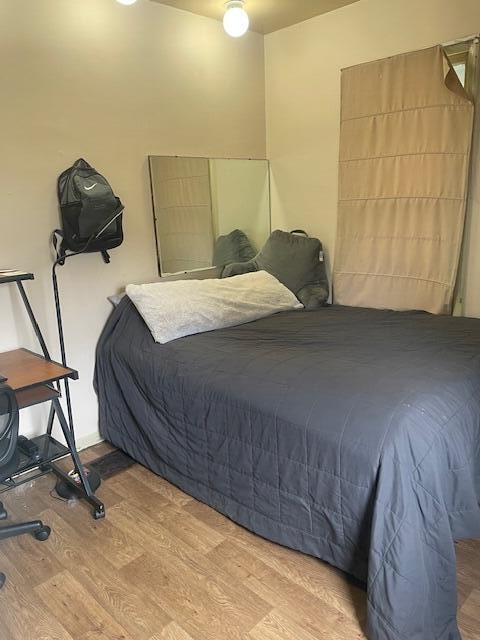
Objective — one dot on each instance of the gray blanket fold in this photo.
(349, 434)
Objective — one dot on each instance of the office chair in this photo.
(8, 466)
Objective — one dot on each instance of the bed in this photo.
(349, 434)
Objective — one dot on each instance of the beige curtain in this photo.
(406, 126)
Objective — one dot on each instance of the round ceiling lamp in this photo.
(235, 20)
(127, 2)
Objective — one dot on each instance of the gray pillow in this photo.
(234, 247)
(295, 260)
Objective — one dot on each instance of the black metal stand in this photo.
(61, 337)
(82, 488)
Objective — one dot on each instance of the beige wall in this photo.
(113, 84)
(303, 66)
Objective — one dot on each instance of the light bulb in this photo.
(235, 20)
(126, 2)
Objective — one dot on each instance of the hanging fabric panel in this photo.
(406, 126)
(183, 211)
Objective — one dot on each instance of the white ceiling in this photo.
(265, 15)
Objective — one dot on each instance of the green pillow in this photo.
(296, 261)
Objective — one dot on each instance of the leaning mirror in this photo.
(208, 211)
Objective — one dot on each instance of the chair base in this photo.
(39, 531)
(36, 528)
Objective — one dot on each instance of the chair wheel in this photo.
(3, 514)
(3, 577)
(98, 514)
(42, 534)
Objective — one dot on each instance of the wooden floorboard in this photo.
(163, 566)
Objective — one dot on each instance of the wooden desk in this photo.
(14, 276)
(36, 379)
(31, 375)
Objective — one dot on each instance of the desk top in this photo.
(25, 369)
(14, 276)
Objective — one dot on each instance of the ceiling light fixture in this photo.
(235, 20)
(127, 2)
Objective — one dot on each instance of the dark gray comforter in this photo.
(350, 434)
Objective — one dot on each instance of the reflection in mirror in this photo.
(208, 211)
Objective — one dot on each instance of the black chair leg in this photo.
(36, 527)
(3, 515)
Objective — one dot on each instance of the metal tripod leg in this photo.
(33, 320)
(84, 489)
(51, 418)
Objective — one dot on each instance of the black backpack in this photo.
(91, 213)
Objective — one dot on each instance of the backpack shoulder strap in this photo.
(58, 244)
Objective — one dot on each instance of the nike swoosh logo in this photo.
(90, 188)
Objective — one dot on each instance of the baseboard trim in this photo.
(88, 440)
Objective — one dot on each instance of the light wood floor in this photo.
(162, 566)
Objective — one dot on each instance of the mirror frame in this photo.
(154, 218)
